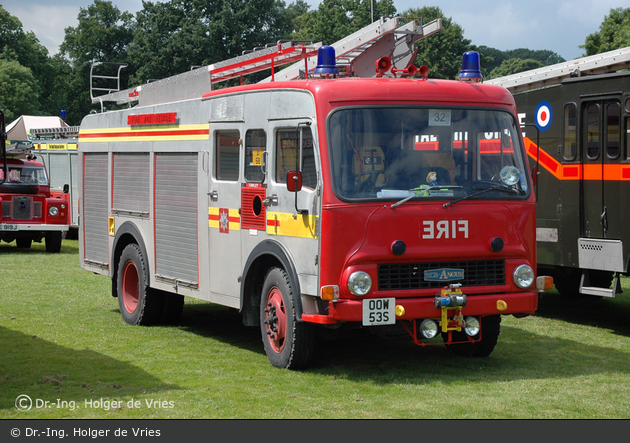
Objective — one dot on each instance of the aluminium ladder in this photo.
(361, 49)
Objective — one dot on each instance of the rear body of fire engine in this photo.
(395, 204)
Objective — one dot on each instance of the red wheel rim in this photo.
(130, 287)
(275, 308)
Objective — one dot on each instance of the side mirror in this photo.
(66, 188)
(294, 181)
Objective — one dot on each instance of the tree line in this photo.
(167, 38)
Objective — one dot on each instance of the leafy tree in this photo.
(614, 33)
(25, 49)
(336, 19)
(514, 66)
(19, 90)
(104, 33)
(441, 52)
(172, 37)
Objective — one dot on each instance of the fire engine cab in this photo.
(29, 211)
(344, 191)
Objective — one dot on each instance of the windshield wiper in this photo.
(502, 188)
(417, 191)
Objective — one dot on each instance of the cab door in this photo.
(600, 154)
(224, 222)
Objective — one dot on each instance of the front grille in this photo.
(397, 276)
(22, 208)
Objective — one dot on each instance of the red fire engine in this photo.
(326, 197)
(29, 211)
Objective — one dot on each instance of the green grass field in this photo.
(62, 341)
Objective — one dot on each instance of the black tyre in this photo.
(601, 279)
(173, 307)
(567, 281)
(288, 343)
(490, 330)
(139, 304)
(53, 241)
(23, 243)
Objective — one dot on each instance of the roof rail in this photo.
(605, 62)
(55, 133)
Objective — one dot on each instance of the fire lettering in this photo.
(442, 229)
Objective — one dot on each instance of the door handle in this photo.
(604, 219)
(214, 195)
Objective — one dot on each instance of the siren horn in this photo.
(382, 66)
(412, 70)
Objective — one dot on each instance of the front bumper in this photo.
(17, 227)
(421, 308)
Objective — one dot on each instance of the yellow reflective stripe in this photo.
(283, 223)
(146, 133)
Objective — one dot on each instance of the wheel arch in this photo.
(126, 234)
(263, 257)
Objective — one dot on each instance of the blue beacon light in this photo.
(471, 67)
(326, 61)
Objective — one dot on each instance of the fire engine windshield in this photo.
(426, 153)
(24, 174)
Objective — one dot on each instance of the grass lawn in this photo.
(62, 341)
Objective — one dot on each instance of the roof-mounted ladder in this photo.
(605, 62)
(196, 82)
(55, 133)
(361, 49)
(385, 37)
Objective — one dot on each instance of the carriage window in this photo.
(570, 131)
(591, 131)
(227, 155)
(286, 150)
(255, 142)
(613, 135)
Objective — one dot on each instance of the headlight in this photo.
(523, 276)
(53, 210)
(359, 283)
(472, 326)
(428, 328)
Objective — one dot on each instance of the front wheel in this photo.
(53, 241)
(139, 304)
(288, 343)
(490, 330)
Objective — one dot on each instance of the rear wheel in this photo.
(490, 330)
(173, 307)
(287, 342)
(567, 281)
(139, 304)
(53, 241)
(23, 243)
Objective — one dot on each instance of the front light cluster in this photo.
(523, 276)
(360, 283)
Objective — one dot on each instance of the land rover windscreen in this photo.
(426, 153)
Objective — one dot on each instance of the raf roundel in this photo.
(543, 115)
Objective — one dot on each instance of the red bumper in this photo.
(419, 308)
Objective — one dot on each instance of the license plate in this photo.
(379, 311)
(6, 227)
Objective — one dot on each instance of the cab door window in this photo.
(591, 131)
(612, 130)
(227, 155)
(288, 156)
(255, 155)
